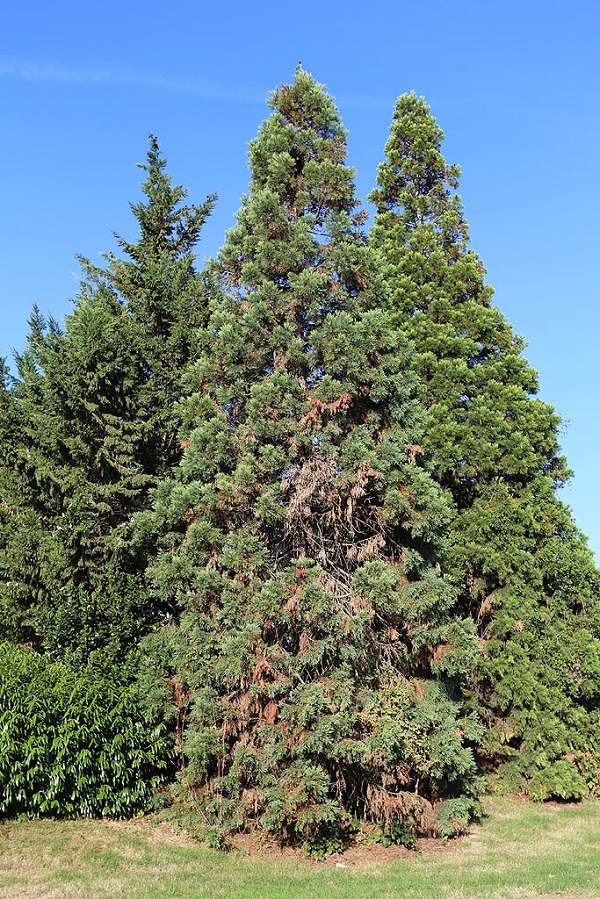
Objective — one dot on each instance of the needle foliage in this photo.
(300, 509)
(301, 535)
(90, 424)
(525, 575)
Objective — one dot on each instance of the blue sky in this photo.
(515, 87)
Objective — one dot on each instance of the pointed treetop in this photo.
(306, 103)
(299, 154)
(415, 180)
(165, 224)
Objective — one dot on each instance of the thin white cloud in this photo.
(23, 69)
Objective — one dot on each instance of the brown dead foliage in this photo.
(181, 697)
(320, 408)
(484, 609)
(382, 805)
(263, 673)
(440, 651)
(414, 450)
(334, 519)
(270, 712)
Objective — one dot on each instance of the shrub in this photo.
(72, 743)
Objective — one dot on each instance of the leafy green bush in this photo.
(72, 743)
(328, 838)
(395, 833)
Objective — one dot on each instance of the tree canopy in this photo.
(92, 424)
(294, 516)
(494, 447)
(300, 533)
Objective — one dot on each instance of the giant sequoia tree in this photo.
(318, 479)
(93, 423)
(301, 533)
(525, 574)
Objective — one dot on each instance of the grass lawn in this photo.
(521, 850)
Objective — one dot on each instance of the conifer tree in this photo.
(300, 535)
(80, 477)
(19, 534)
(96, 405)
(525, 574)
(157, 282)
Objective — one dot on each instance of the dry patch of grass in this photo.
(521, 851)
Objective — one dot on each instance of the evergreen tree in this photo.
(96, 406)
(19, 535)
(300, 535)
(525, 574)
(80, 478)
(166, 298)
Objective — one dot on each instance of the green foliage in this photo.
(300, 535)
(455, 815)
(165, 298)
(73, 743)
(483, 422)
(524, 573)
(329, 838)
(90, 422)
(317, 477)
(396, 833)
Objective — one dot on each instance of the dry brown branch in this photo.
(263, 673)
(333, 518)
(414, 450)
(385, 806)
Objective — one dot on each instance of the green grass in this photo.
(521, 850)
